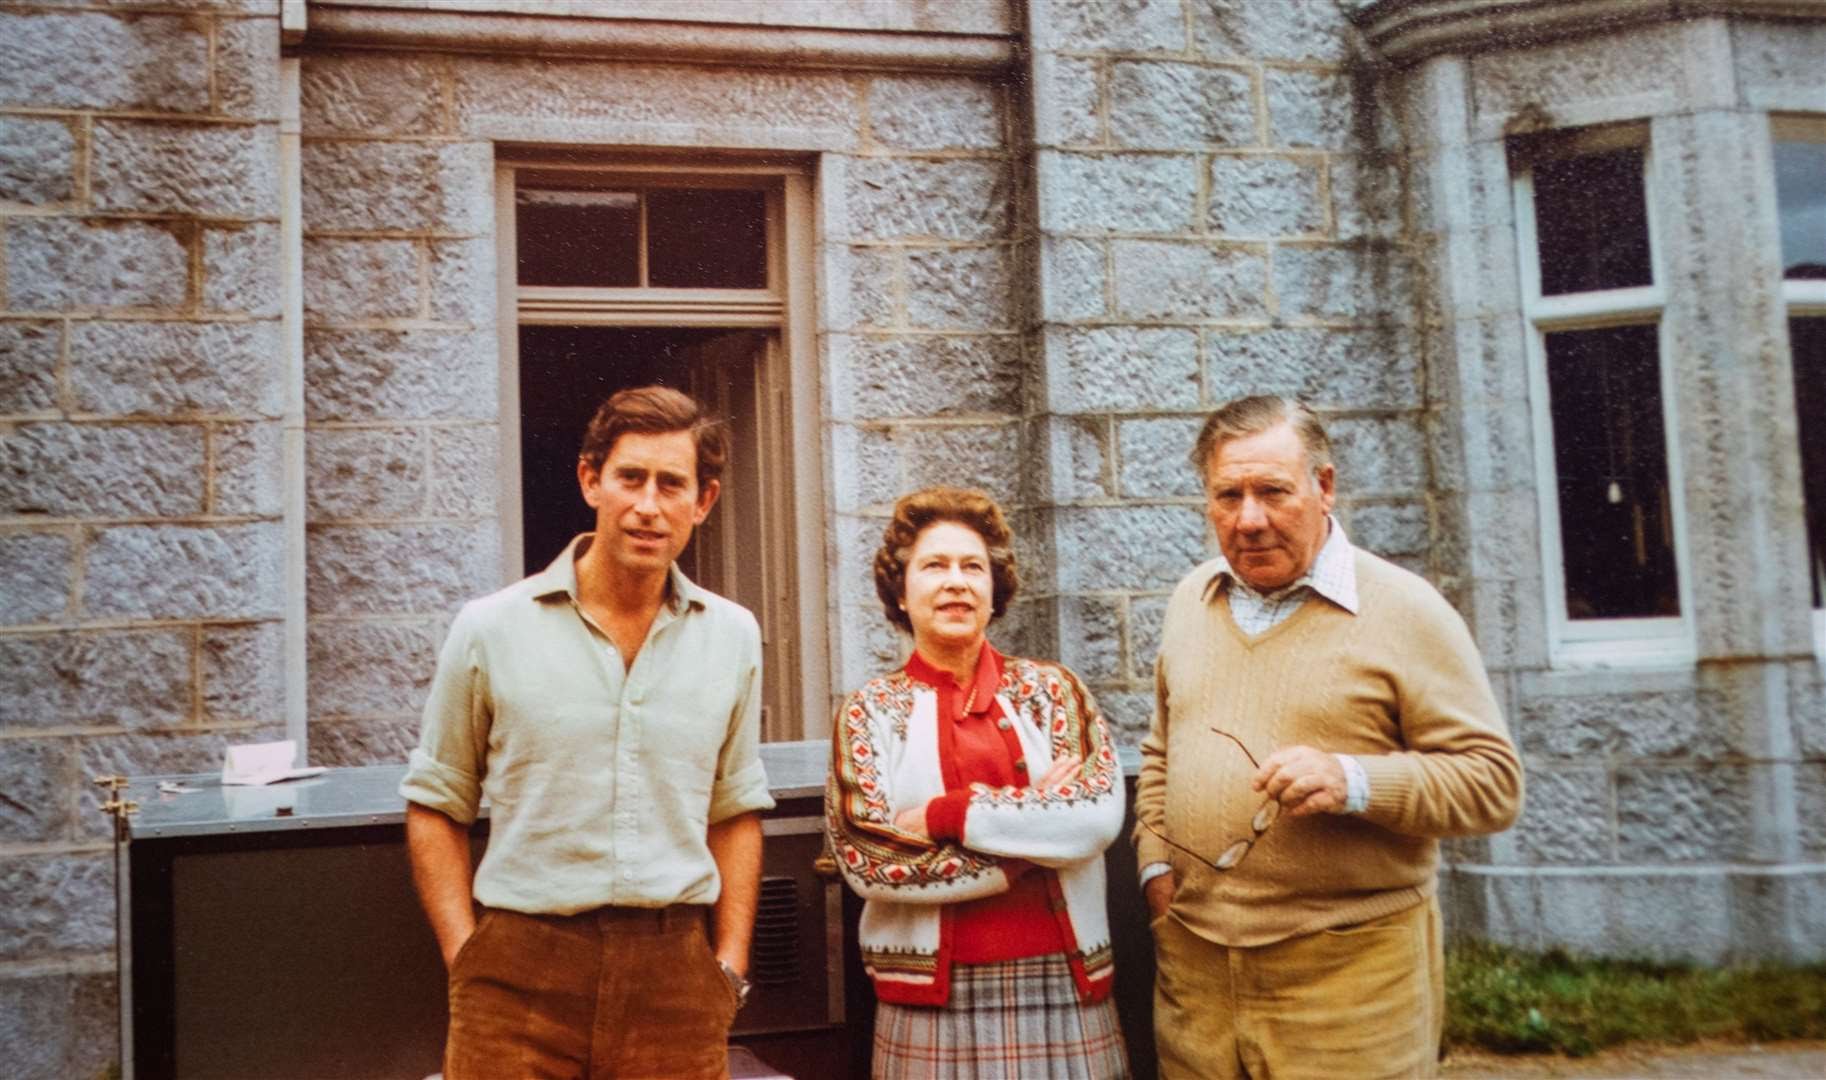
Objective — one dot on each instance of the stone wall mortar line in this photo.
(33, 524)
(165, 420)
(112, 625)
(66, 391)
(135, 315)
(936, 157)
(103, 731)
(102, 963)
(309, 139)
(449, 118)
(390, 522)
(84, 166)
(136, 115)
(427, 424)
(196, 677)
(1245, 246)
(79, 554)
(180, 217)
(904, 244)
(868, 144)
(55, 847)
(332, 718)
(209, 468)
(931, 332)
(390, 234)
(375, 619)
(212, 55)
(937, 423)
(1258, 85)
(390, 324)
(423, 252)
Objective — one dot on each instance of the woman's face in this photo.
(950, 593)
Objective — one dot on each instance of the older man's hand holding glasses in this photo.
(1297, 779)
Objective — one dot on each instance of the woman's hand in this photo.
(913, 820)
(1062, 770)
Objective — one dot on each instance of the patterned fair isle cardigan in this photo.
(885, 760)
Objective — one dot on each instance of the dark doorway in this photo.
(565, 373)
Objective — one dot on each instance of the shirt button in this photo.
(1003, 724)
(1020, 764)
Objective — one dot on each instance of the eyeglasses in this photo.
(1265, 816)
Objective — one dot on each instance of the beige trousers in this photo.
(1366, 1000)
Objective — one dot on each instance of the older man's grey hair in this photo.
(1246, 416)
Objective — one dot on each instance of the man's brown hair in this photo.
(1246, 416)
(913, 514)
(657, 410)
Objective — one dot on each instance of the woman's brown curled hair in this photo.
(929, 506)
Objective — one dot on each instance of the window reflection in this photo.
(1807, 336)
(1610, 457)
(1591, 222)
(578, 237)
(1800, 196)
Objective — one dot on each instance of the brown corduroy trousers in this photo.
(630, 993)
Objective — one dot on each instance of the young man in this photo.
(1322, 718)
(609, 711)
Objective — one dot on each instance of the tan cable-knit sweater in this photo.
(1399, 686)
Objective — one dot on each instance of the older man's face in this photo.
(1268, 507)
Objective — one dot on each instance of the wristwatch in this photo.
(737, 982)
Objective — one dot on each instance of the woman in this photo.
(970, 800)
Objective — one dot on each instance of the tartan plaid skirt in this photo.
(1014, 1020)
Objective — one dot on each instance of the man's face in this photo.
(1267, 506)
(646, 498)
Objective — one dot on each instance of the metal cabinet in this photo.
(274, 931)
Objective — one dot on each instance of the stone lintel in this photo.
(334, 26)
(1405, 31)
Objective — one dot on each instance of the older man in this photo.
(1322, 718)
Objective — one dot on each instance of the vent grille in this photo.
(776, 934)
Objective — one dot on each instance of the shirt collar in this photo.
(956, 701)
(1333, 574)
(560, 578)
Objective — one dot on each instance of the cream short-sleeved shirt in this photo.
(600, 782)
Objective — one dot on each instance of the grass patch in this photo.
(1512, 1002)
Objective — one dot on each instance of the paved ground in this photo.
(1796, 1060)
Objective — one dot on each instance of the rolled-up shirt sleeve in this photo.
(445, 771)
(741, 781)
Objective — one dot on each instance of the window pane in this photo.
(1610, 456)
(1800, 195)
(1808, 337)
(578, 237)
(1591, 222)
(707, 239)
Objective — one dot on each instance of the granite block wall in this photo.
(401, 391)
(140, 543)
(1220, 210)
(1666, 798)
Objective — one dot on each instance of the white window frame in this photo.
(785, 305)
(1802, 299)
(1659, 641)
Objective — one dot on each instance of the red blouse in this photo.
(977, 745)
